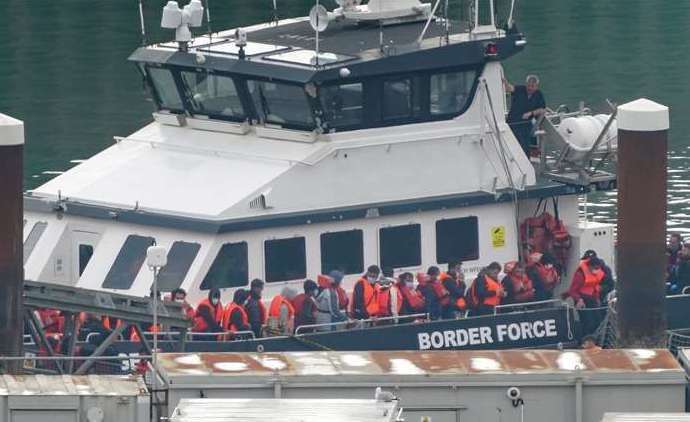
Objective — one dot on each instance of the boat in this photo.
(370, 134)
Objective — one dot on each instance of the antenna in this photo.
(141, 19)
(275, 11)
(318, 19)
(208, 22)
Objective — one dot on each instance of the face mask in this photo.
(371, 280)
(215, 300)
(409, 284)
(179, 300)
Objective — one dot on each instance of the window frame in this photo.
(270, 280)
(32, 238)
(360, 269)
(154, 91)
(381, 244)
(245, 244)
(321, 110)
(115, 266)
(446, 259)
(236, 84)
(312, 104)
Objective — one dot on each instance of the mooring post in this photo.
(11, 245)
(641, 260)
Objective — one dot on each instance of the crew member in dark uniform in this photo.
(527, 102)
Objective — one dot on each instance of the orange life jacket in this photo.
(593, 279)
(371, 303)
(548, 275)
(441, 293)
(216, 311)
(413, 298)
(383, 297)
(276, 303)
(492, 286)
(520, 286)
(52, 320)
(227, 317)
(343, 300)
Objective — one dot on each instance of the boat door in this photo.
(83, 247)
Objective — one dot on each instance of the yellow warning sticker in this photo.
(498, 236)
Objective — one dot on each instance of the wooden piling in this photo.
(11, 245)
(641, 260)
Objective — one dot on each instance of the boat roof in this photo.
(75, 385)
(426, 364)
(290, 410)
(284, 50)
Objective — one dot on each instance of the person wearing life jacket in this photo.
(328, 308)
(542, 270)
(179, 295)
(209, 315)
(412, 300)
(235, 316)
(256, 311)
(454, 282)
(364, 301)
(585, 287)
(388, 298)
(486, 292)
(436, 297)
(305, 306)
(517, 285)
(52, 320)
(281, 313)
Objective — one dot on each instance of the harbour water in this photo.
(63, 70)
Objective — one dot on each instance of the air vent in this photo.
(260, 202)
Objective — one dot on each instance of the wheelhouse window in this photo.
(401, 99)
(212, 95)
(450, 92)
(85, 254)
(165, 89)
(400, 246)
(180, 258)
(342, 251)
(33, 238)
(342, 105)
(128, 262)
(457, 238)
(229, 269)
(286, 259)
(281, 104)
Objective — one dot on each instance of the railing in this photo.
(357, 323)
(517, 307)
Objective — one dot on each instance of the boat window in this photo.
(33, 237)
(450, 92)
(342, 104)
(342, 251)
(85, 254)
(457, 238)
(128, 262)
(281, 104)
(286, 259)
(229, 269)
(212, 95)
(180, 258)
(165, 88)
(401, 99)
(400, 246)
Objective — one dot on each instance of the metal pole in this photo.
(641, 262)
(154, 352)
(11, 236)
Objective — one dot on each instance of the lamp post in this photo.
(156, 258)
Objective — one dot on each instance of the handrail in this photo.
(225, 334)
(527, 304)
(359, 321)
(95, 334)
(685, 291)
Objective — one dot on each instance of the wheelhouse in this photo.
(362, 77)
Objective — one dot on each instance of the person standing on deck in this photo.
(328, 309)
(304, 304)
(281, 313)
(364, 300)
(209, 315)
(412, 299)
(526, 103)
(486, 291)
(255, 308)
(235, 316)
